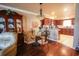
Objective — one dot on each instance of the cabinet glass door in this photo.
(2, 24)
(18, 24)
(11, 24)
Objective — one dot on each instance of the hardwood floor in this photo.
(50, 49)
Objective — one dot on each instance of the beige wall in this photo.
(24, 23)
(27, 21)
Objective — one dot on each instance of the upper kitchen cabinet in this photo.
(11, 21)
(46, 21)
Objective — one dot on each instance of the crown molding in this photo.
(17, 9)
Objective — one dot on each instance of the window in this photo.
(67, 23)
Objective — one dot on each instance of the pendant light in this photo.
(41, 12)
(40, 9)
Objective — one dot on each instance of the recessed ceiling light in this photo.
(53, 13)
(65, 9)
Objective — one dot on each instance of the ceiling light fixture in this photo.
(65, 9)
(41, 15)
(53, 13)
(41, 9)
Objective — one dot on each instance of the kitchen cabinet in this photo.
(66, 31)
(46, 21)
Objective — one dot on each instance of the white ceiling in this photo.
(48, 8)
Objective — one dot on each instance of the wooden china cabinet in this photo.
(11, 21)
